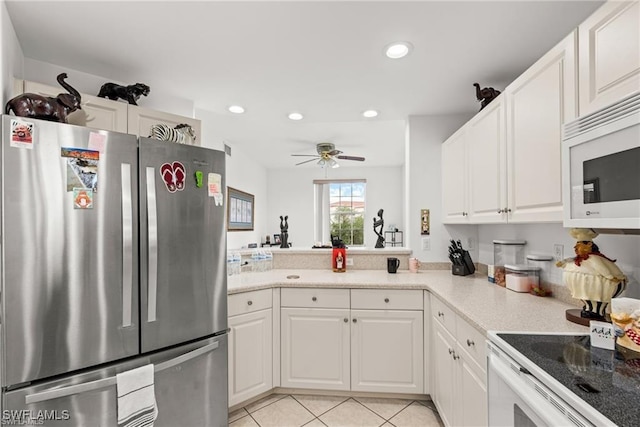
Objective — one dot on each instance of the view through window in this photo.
(346, 211)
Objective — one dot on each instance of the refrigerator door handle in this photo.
(103, 383)
(152, 258)
(127, 244)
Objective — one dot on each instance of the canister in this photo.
(521, 277)
(506, 252)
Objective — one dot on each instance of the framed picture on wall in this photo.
(240, 210)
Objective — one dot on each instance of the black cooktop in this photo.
(607, 380)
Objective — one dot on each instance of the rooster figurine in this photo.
(591, 276)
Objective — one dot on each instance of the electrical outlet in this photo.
(426, 244)
(470, 243)
(558, 252)
(349, 261)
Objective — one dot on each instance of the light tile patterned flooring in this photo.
(283, 410)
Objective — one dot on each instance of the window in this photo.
(340, 209)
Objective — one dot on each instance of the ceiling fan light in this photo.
(370, 113)
(397, 50)
(321, 163)
(333, 164)
(296, 116)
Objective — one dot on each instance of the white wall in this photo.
(242, 173)
(44, 72)
(290, 192)
(12, 59)
(424, 138)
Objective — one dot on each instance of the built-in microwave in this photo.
(601, 168)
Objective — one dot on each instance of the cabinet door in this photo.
(454, 179)
(315, 348)
(472, 402)
(609, 55)
(96, 113)
(539, 102)
(487, 164)
(250, 355)
(141, 119)
(386, 351)
(444, 393)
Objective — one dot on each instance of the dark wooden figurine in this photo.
(284, 231)
(379, 223)
(45, 107)
(485, 95)
(129, 93)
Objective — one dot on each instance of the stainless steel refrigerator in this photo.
(113, 257)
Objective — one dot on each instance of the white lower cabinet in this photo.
(362, 340)
(250, 345)
(459, 387)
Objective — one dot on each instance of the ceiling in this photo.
(323, 59)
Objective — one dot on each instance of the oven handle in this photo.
(540, 406)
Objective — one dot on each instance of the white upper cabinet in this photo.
(96, 113)
(487, 169)
(539, 102)
(609, 55)
(454, 179)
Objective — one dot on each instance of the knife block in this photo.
(466, 268)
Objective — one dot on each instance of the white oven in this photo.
(601, 167)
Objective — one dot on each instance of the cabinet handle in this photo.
(346, 320)
(507, 210)
(249, 302)
(386, 300)
(450, 351)
(464, 214)
(455, 356)
(440, 314)
(470, 343)
(355, 320)
(314, 299)
(499, 211)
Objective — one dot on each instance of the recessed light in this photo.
(236, 109)
(398, 50)
(370, 113)
(296, 116)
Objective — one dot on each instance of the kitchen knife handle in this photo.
(127, 243)
(152, 250)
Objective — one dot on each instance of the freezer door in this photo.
(69, 289)
(190, 387)
(183, 291)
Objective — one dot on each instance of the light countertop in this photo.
(483, 304)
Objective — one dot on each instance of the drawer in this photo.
(248, 302)
(472, 342)
(443, 314)
(386, 299)
(314, 298)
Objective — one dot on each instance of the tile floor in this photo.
(283, 410)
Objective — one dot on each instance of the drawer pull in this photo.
(346, 320)
(314, 299)
(450, 351)
(470, 343)
(249, 302)
(455, 356)
(386, 300)
(355, 320)
(440, 314)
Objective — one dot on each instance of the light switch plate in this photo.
(426, 243)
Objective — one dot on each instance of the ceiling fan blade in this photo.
(305, 155)
(356, 158)
(334, 152)
(306, 161)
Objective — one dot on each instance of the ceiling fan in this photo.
(327, 155)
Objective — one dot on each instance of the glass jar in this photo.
(521, 277)
(505, 252)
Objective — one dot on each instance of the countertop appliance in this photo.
(600, 173)
(537, 379)
(112, 258)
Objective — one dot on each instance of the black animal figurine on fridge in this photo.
(55, 109)
(129, 93)
(485, 95)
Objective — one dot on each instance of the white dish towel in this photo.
(136, 398)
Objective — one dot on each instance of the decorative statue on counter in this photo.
(379, 223)
(591, 277)
(284, 231)
(129, 93)
(45, 107)
(485, 95)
